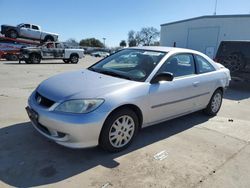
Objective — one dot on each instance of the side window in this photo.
(179, 65)
(35, 27)
(59, 45)
(27, 26)
(203, 65)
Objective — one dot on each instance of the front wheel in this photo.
(214, 104)
(74, 59)
(119, 130)
(35, 58)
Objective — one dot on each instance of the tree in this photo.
(123, 43)
(148, 35)
(131, 39)
(72, 42)
(91, 42)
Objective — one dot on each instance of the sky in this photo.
(110, 19)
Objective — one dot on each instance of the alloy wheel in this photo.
(121, 131)
(216, 102)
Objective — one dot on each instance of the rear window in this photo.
(35, 27)
(203, 65)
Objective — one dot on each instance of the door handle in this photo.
(195, 84)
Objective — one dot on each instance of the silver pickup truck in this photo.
(29, 31)
(50, 50)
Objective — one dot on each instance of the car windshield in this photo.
(132, 64)
(19, 25)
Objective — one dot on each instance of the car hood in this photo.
(81, 84)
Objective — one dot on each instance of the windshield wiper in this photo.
(111, 73)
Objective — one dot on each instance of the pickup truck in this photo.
(50, 50)
(28, 31)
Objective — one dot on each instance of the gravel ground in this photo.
(196, 151)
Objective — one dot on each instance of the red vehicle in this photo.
(10, 48)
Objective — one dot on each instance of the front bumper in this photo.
(70, 130)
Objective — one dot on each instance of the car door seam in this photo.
(180, 100)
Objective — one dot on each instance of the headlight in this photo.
(79, 105)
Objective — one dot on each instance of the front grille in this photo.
(43, 101)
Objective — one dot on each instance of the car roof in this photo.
(164, 49)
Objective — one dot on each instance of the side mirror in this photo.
(164, 76)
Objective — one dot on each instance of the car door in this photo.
(207, 77)
(177, 97)
(58, 50)
(48, 50)
(34, 32)
(25, 30)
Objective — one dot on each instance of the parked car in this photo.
(235, 55)
(29, 31)
(51, 50)
(108, 103)
(100, 54)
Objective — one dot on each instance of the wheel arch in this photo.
(49, 37)
(132, 107)
(36, 53)
(221, 89)
(76, 54)
(14, 29)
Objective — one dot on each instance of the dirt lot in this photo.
(201, 152)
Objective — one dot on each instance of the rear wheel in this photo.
(12, 34)
(48, 39)
(74, 58)
(35, 58)
(119, 130)
(215, 103)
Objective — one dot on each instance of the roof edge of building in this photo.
(208, 16)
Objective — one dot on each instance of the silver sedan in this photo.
(108, 103)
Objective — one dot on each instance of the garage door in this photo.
(203, 39)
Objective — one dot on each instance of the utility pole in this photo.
(104, 41)
(215, 7)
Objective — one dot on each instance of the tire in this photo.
(13, 57)
(66, 60)
(74, 58)
(214, 104)
(234, 62)
(48, 39)
(12, 34)
(35, 58)
(119, 124)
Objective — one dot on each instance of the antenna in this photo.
(215, 7)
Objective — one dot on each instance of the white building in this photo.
(206, 32)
